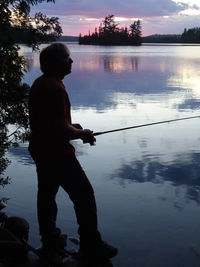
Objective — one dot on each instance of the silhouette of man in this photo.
(56, 163)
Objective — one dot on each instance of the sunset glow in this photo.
(157, 17)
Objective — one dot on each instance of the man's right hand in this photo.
(88, 137)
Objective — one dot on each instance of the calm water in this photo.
(147, 180)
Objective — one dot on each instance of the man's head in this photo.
(55, 60)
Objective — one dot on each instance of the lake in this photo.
(146, 180)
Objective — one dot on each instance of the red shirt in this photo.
(49, 108)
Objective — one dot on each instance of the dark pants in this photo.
(66, 172)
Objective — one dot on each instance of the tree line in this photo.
(109, 33)
(191, 35)
(162, 38)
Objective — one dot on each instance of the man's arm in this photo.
(63, 119)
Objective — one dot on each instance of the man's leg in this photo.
(53, 242)
(75, 182)
(46, 204)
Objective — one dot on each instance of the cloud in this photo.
(196, 7)
(129, 8)
(158, 16)
(171, 25)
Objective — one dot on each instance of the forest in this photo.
(191, 35)
(109, 33)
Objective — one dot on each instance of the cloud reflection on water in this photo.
(154, 172)
(184, 171)
(146, 82)
(104, 72)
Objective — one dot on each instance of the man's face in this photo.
(65, 63)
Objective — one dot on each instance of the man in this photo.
(51, 132)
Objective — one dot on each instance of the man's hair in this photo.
(50, 56)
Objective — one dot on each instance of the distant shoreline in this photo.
(155, 40)
(170, 44)
(75, 39)
(143, 44)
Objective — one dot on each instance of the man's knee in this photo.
(47, 190)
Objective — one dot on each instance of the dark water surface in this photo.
(147, 180)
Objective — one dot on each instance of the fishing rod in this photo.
(145, 125)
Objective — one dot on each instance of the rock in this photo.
(2, 205)
(33, 261)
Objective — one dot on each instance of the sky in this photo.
(157, 16)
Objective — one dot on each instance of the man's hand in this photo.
(88, 137)
(75, 131)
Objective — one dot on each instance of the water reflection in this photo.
(119, 64)
(183, 171)
(150, 169)
(190, 104)
(186, 76)
(110, 63)
(21, 154)
(102, 75)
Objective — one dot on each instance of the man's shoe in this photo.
(55, 243)
(60, 244)
(49, 257)
(101, 251)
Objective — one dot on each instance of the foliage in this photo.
(110, 34)
(191, 35)
(110, 27)
(136, 32)
(17, 25)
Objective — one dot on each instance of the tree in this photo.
(17, 26)
(109, 29)
(110, 26)
(136, 32)
(133, 29)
